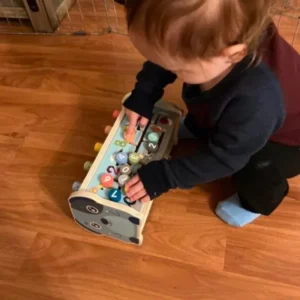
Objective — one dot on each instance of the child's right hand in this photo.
(134, 120)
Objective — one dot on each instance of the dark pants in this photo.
(120, 1)
(262, 183)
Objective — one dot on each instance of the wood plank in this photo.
(59, 263)
(294, 184)
(13, 12)
(18, 96)
(165, 235)
(15, 245)
(263, 252)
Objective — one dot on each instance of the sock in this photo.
(231, 212)
(184, 133)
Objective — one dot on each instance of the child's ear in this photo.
(235, 53)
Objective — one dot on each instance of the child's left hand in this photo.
(135, 190)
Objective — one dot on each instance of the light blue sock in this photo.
(231, 212)
(184, 133)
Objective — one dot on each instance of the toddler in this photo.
(241, 88)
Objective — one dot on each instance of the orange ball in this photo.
(107, 129)
(115, 113)
(107, 180)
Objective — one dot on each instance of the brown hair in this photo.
(199, 28)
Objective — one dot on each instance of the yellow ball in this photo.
(98, 147)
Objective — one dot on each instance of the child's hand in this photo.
(134, 120)
(135, 190)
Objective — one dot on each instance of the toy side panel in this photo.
(146, 213)
(103, 219)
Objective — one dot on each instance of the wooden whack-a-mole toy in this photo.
(99, 204)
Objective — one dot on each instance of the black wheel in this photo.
(134, 220)
(134, 240)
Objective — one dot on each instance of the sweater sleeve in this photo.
(149, 88)
(241, 132)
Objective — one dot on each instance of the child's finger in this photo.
(133, 119)
(130, 129)
(132, 182)
(135, 189)
(145, 199)
(139, 195)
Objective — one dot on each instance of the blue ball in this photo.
(76, 186)
(114, 195)
(122, 158)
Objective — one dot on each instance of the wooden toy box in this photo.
(119, 218)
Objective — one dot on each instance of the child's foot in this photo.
(184, 133)
(231, 212)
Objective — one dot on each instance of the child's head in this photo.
(199, 40)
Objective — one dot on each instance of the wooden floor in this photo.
(57, 94)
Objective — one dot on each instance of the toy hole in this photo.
(106, 222)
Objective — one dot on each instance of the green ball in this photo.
(134, 158)
(87, 165)
(153, 137)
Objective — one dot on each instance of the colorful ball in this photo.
(122, 158)
(114, 195)
(98, 147)
(107, 180)
(152, 147)
(123, 179)
(125, 169)
(153, 137)
(76, 186)
(87, 165)
(134, 158)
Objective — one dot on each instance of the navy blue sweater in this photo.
(236, 119)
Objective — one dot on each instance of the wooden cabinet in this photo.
(44, 15)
